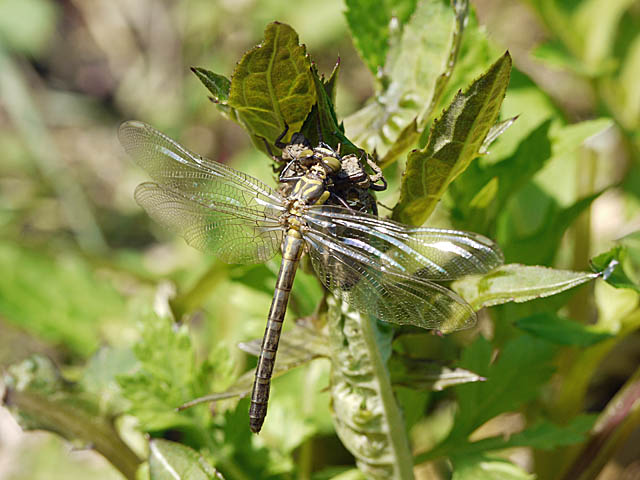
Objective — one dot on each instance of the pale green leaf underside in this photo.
(173, 461)
(415, 60)
(486, 468)
(455, 140)
(272, 84)
(517, 283)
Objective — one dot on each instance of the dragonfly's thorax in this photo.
(311, 188)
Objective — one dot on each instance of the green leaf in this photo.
(30, 297)
(495, 132)
(614, 265)
(322, 122)
(509, 175)
(272, 85)
(173, 461)
(415, 60)
(521, 368)
(487, 468)
(41, 399)
(297, 347)
(554, 54)
(370, 25)
(427, 375)
(218, 85)
(165, 377)
(517, 283)
(537, 246)
(454, 141)
(546, 435)
(560, 331)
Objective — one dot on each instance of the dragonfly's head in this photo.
(319, 171)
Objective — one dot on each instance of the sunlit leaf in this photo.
(561, 331)
(517, 283)
(415, 60)
(173, 461)
(370, 25)
(272, 85)
(455, 140)
(487, 468)
(495, 132)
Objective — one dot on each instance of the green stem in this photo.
(73, 423)
(366, 415)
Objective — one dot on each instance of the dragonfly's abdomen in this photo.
(291, 252)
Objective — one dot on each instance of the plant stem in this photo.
(366, 416)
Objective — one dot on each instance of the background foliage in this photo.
(85, 273)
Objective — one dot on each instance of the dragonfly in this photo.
(382, 268)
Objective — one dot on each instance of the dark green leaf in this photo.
(330, 85)
(546, 435)
(42, 400)
(173, 461)
(617, 266)
(515, 377)
(272, 85)
(454, 141)
(537, 246)
(370, 25)
(510, 175)
(427, 375)
(561, 331)
(517, 283)
(542, 436)
(322, 122)
(218, 85)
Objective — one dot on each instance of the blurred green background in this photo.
(80, 261)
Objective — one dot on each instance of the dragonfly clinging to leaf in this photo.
(379, 267)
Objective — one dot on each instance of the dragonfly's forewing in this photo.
(216, 208)
(386, 269)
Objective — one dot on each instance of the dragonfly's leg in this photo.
(278, 143)
(340, 200)
(283, 177)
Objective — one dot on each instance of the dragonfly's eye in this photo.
(332, 163)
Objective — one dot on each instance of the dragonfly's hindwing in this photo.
(214, 207)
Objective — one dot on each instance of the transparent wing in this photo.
(216, 208)
(368, 286)
(425, 253)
